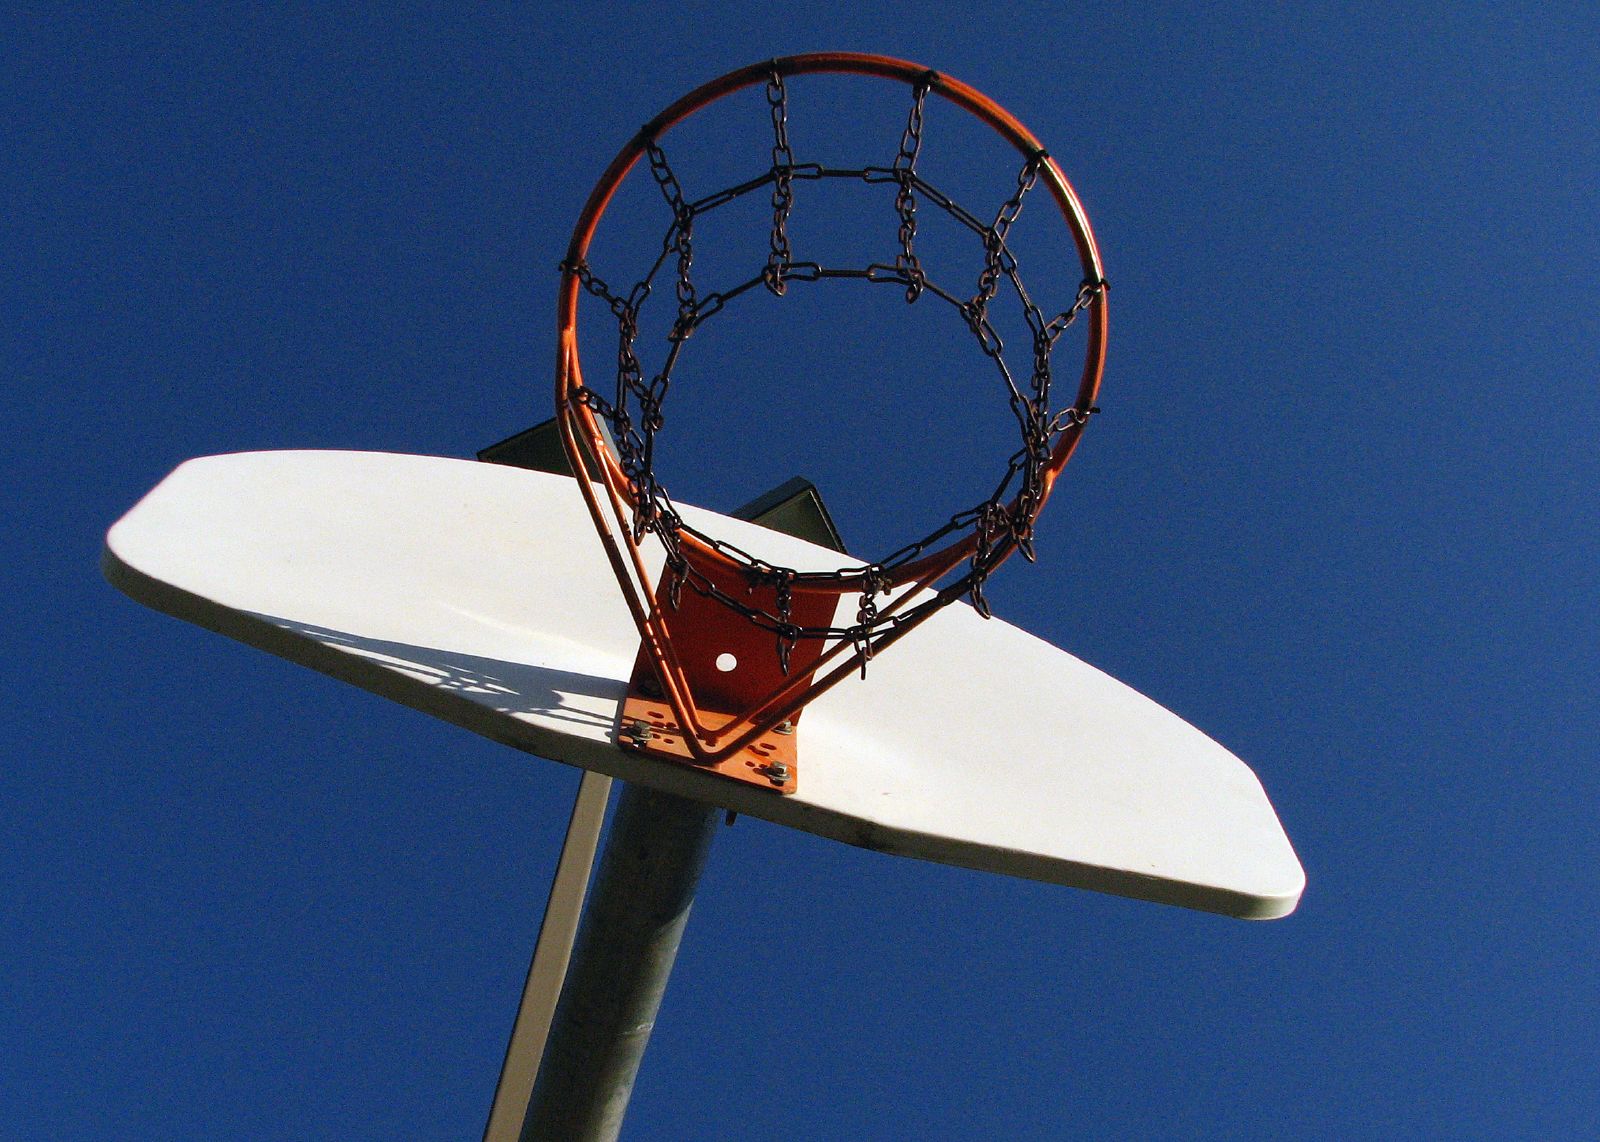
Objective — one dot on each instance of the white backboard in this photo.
(480, 594)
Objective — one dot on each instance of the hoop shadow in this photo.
(422, 676)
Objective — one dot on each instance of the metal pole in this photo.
(637, 907)
(626, 945)
(550, 958)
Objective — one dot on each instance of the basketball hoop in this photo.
(733, 646)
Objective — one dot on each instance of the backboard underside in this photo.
(479, 593)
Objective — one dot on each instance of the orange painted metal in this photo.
(722, 721)
(769, 761)
(729, 664)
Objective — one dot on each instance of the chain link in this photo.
(905, 201)
(680, 238)
(778, 255)
(996, 257)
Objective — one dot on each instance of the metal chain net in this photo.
(634, 413)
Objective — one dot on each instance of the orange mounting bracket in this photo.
(723, 665)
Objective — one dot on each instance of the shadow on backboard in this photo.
(414, 674)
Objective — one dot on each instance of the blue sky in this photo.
(1339, 513)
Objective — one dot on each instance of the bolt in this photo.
(785, 727)
(777, 773)
(641, 732)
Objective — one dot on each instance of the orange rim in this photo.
(582, 421)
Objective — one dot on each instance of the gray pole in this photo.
(628, 940)
(637, 908)
(550, 958)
